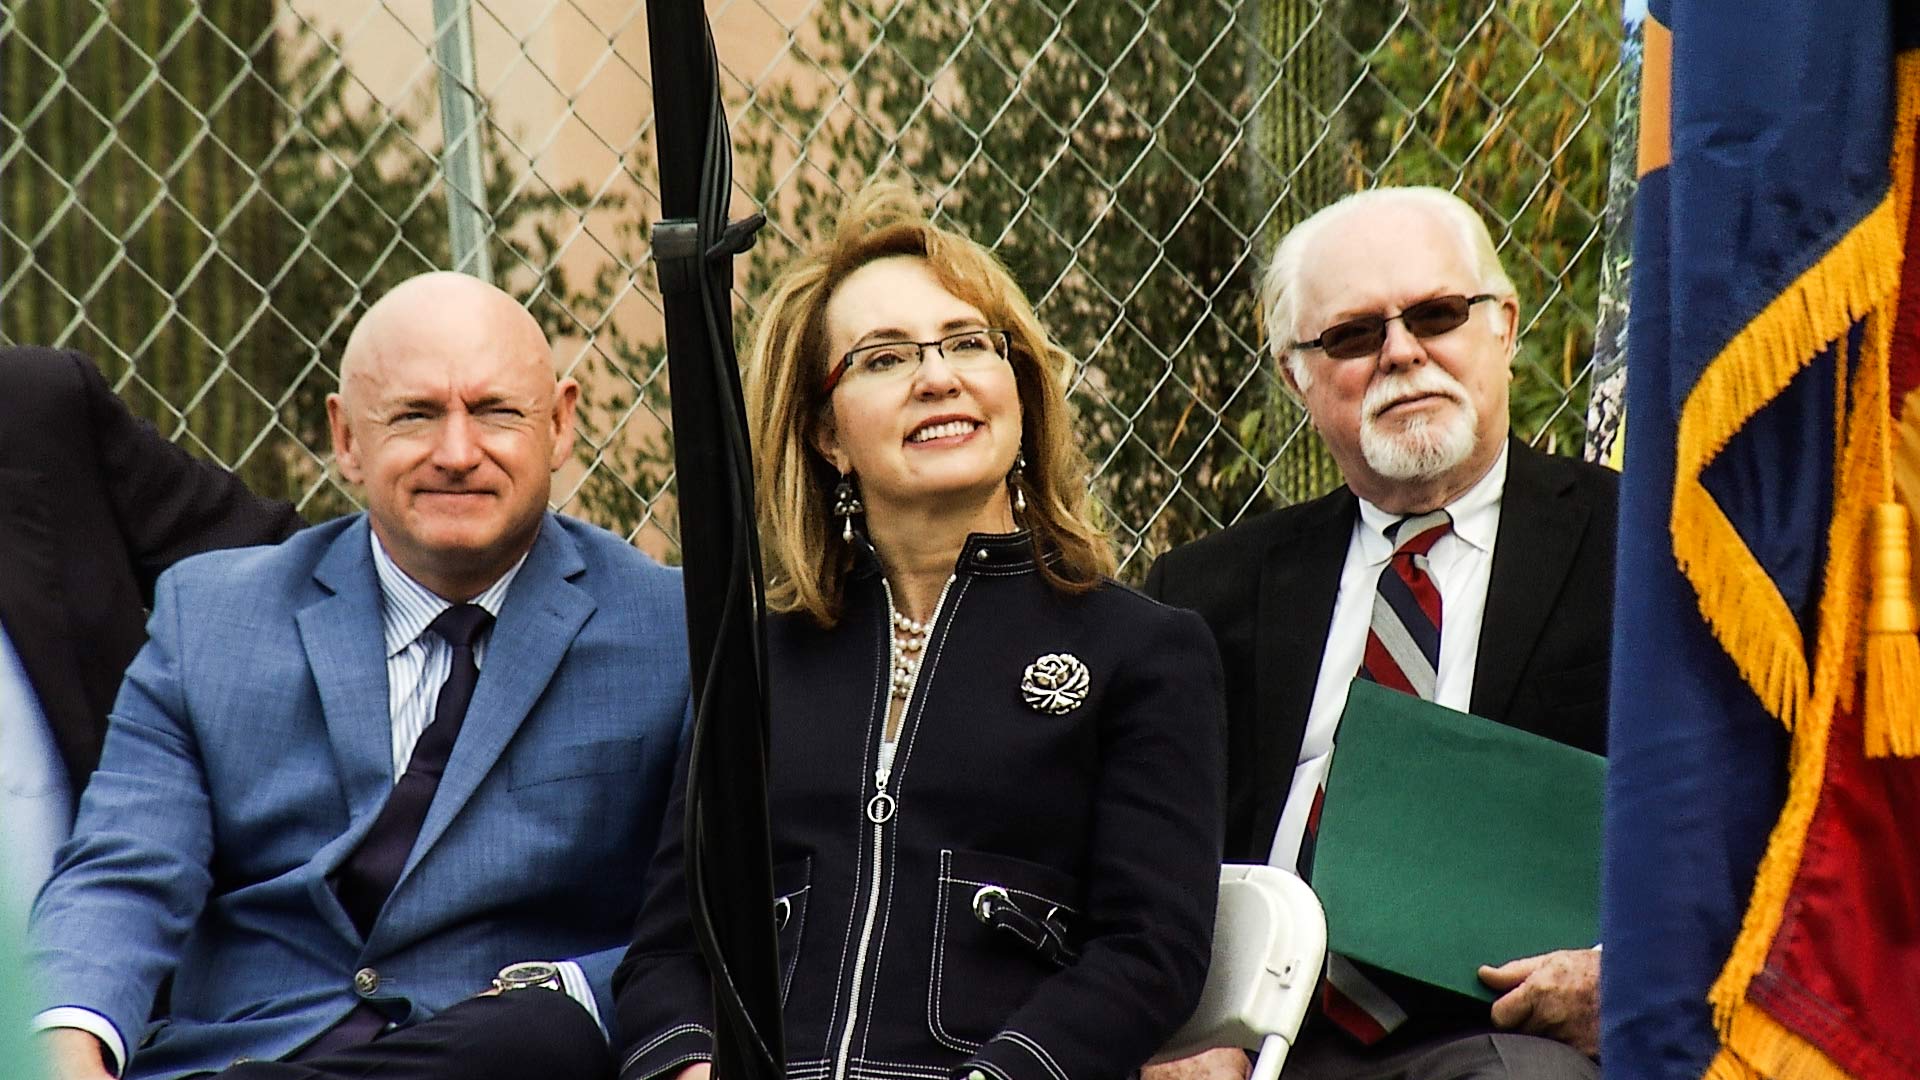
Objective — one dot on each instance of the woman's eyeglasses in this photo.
(1365, 335)
(889, 361)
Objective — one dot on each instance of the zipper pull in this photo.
(880, 808)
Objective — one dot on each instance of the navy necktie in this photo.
(370, 872)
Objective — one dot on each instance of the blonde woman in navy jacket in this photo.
(996, 774)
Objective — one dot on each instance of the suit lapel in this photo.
(1541, 521)
(346, 651)
(539, 619)
(1298, 585)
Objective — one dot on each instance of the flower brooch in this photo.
(1055, 684)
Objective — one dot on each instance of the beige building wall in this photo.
(569, 84)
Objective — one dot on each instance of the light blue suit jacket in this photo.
(251, 749)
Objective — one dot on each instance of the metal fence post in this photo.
(206, 195)
(467, 221)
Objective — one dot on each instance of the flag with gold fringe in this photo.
(1761, 907)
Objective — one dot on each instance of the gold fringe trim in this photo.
(1893, 653)
(1768, 1051)
(1748, 1035)
(1725, 1066)
(1860, 275)
(1893, 674)
(1842, 629)
(1737, 598)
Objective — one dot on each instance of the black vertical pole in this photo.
(729, 875)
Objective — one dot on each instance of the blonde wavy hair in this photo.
(805, 559)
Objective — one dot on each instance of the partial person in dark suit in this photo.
(1395, 326)
(352, 776)
(94, 504)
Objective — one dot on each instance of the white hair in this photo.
(1280, 284)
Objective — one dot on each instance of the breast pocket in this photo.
(1001, 925)
(546, 764)
(792, 884)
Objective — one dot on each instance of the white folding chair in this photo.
(1269, 942)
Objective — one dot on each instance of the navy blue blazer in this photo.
(251, 749)
(1032, 891)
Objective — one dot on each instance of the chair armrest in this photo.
(1269, 945)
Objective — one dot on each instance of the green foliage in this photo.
(1511, 105)
(1132, 164)
(129, 227)
(210, 203)
(364, 197)
(197, 199)
(1101, 150)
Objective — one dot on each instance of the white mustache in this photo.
(1413, 382)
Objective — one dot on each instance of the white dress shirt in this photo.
(36, 805)
(1460, 565)
(417, 667)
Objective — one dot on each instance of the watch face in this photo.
(531, 973)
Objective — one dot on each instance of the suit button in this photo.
(366, 981)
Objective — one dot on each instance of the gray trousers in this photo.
(1327, 1055)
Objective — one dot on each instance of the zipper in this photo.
(880, 810)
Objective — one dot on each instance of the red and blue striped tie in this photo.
(1403, 653)
(1403, 641)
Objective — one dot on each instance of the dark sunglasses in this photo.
(1365, 335)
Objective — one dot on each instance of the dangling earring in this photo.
(846, 503)
(1015, 481)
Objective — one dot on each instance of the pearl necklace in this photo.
(905, 648)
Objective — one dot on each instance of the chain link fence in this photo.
(205, 195)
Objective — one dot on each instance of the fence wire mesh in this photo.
(205, 195)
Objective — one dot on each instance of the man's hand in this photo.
(699, 1070)
(1555, 994)
(1224, 1064)
(74, 1054)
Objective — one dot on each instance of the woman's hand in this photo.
(1223, 1064)
(699, 1070)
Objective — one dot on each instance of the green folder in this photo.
(1448, 841)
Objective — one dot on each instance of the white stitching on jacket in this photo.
(1043, 898)
(934, 1025)
(658, 1040)
(880, 685)
(1039, 1053)
(909, 729)
(799, 935)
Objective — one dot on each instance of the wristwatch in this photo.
(528, 975)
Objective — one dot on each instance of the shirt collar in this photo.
(1476, 515)
(407, 607)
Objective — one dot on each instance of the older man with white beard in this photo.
(1490, 564)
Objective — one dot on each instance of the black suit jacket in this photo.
(1267, 588)
(94, 504)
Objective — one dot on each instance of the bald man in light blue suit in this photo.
(262, 732)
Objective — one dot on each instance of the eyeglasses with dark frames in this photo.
(967, 350)
(1365, 335)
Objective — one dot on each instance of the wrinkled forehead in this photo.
(1379, 260)
(464, 367)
